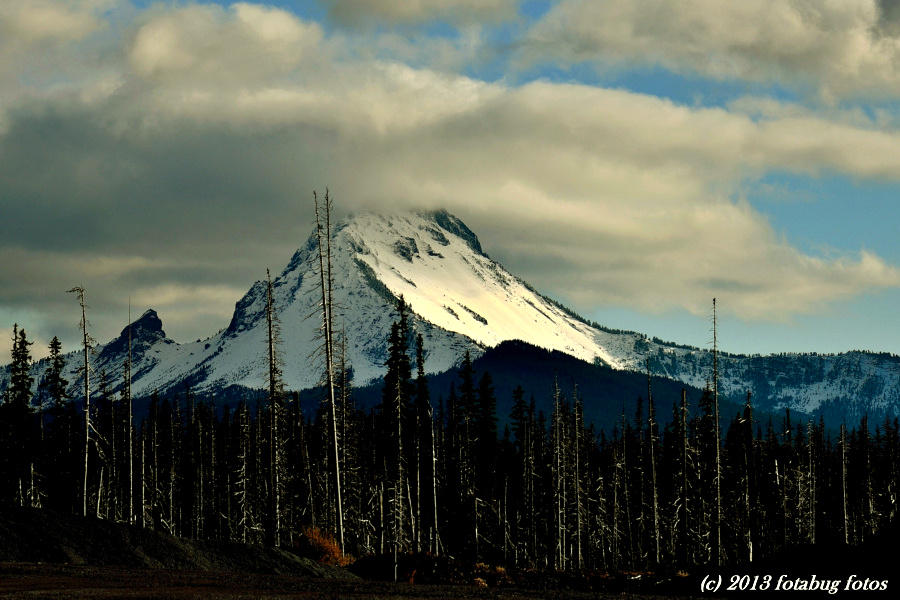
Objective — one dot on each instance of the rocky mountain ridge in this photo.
(461, 300)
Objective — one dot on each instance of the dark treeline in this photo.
(422, 474)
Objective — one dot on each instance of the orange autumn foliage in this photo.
(324, 548)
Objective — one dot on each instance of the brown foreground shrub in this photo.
(323, 548)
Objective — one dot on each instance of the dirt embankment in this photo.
(48, 555)
(40, 536)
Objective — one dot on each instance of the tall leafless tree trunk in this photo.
(558, 519)
(243, 473)
(845, 519)
(685, 514)
(577, 438)
(651, 423)
(86, 344)
(130, 426)
(748, 475)
(811, 483)
(434, 466)
(143, 521)
(327, 307)
(718, 474)
(275, 392)
(626, 500)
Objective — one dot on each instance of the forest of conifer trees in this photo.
(419, 474)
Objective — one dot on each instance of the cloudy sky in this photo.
(632, 159)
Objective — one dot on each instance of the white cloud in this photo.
(40, 21)
(836, 47)
(40, 33)
(192, 166)
(206, 43)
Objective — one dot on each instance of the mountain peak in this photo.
(437, 264)
(147, 323)
(460, 300)
(435, 228)
(145, 331)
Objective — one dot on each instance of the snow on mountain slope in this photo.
(461, 300)
(236, 355)
(448, 281)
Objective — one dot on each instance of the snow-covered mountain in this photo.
(461, 300)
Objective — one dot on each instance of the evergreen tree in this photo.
(20, 379)
(53, 383)
(59, 453)
(425, 476)
(22, 432)
(396, 395)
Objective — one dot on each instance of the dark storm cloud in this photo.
(72, 183)
(889, 13)
(366, 12)
(124, 211)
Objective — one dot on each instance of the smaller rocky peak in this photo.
(144, 331)
(148, 325)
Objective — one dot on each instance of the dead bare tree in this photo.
(276, 392)
(844, 517)
(651, 424)
(323, 237)
(130, 425)
(718, 474)
(86, 344)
